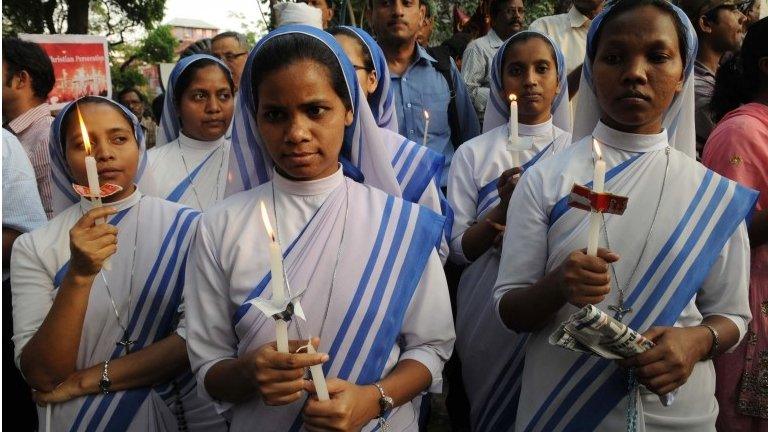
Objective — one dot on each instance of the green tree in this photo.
(74, 16)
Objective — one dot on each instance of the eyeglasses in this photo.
(358, 67)
(230, 57)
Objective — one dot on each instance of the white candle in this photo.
(90, 166)
(318, 378)
(48, 409)
(426, 127)
(513, 143)
(92, 173)
(278, 283)
(598, 184)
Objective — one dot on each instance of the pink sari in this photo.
(738, 149)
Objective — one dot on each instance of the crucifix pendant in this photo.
(619, 311)
(126, 343)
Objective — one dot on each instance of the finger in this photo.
(102, 242)
(592, 264)
(593, 279)
(583, 290)
(296, 361)
(279, 375)
(89, 218)
(654, 333)
(496, 226)
(651, 356)
(283, 388)
(320, 409)
(102, 230)
(105, 252)
(334, 386)
(662, 384)
(650, 371)
(607, 255)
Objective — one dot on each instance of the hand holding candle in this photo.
(318, 378)
(278, 283)
(426, 127)
(598, 185)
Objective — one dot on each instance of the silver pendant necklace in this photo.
(620, 310)
(125, 341)
(192, 182)
(335, 265)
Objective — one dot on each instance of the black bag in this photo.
(444, 67)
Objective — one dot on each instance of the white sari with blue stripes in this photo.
(41, 259)
(489, 352)
(389, 299)
(696, 264)
(207, 162)
(418, 170)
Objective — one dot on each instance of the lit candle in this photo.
(598, 184)
(426, 127)
(92, 173)
(90, 166)
(513, 143)
(317, 375)
(278, 283)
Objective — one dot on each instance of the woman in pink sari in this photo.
(738, 149)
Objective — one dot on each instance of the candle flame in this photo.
(512, 97)
(83, 131)
(596, 146)
(265, 218)
(426, 114)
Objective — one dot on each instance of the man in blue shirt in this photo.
(418, 83)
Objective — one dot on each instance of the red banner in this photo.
(80, 64)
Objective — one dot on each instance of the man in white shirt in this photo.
(507, 18)
(569, 31)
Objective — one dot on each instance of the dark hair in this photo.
(239, 37)
(202, 46)
(497, 6)
(186, 77)
(157, 107)
(528, 36)
(457, 43)
(738, 79)
(618, 7)
(85, 101)
(20, 55)
(284, 50)
(367, 59)
(127, 90)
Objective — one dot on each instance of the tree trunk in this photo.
(48, 8)
(77, 16)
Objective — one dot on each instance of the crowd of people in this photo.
(401, 213)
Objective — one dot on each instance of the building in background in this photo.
(187, 31)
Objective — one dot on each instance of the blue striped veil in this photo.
(497, 109)
(382, 100)
(63, 194)
(679, 117)
(169, 121)
(363, 156)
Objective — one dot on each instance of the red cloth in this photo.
(738, 149)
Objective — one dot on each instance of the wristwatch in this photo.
(105, 383)
(715, 342)
(386, 404)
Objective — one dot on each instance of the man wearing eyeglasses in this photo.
(720, 27)
(231, 48)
